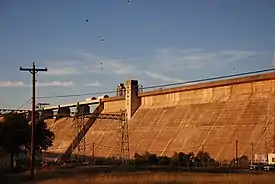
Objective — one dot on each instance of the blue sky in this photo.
(156, 42)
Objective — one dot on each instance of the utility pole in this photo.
(93, 153)
(252, 149)
(202, 158)
(33, 71)
(273, 141)
(237, 143)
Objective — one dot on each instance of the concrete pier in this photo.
(63, 112)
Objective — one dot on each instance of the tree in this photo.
(182, 159)
(203, 159)
(44, 136)
(15, 134)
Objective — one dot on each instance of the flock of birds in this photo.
(102, 40)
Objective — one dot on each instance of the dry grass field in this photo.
(100, 175)
(162, 177)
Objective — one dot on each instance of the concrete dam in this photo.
(211, 116)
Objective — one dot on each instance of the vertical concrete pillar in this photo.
(99, 108)
(63, 112)
(132, 100)
(47, 114)
(84, 109)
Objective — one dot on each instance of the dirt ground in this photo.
(79, 175)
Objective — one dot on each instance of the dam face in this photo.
(208, 116)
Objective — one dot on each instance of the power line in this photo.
(164, 85)
(17, 109)
(24, 104)
(210, 79)
(76, 95)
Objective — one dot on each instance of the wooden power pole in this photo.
(252, 150)
(237, 154)
(33, 71)
(93, 153)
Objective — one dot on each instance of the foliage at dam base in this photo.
(180, 159)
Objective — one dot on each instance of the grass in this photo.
(110, 175)
(163, 177)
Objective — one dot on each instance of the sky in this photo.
(155, 42)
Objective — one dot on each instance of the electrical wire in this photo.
(210, 79)
(18, 109)
(23, 104)
(164, 85)
(76, 95)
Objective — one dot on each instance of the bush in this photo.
(164, 160)
(202, 159)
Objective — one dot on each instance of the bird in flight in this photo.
(128, 1)
(87, 21)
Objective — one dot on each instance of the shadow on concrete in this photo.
(81, 134)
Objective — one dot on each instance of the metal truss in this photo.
(123, 137)
(79, 123)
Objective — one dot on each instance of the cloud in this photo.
(98, 64)
(163, 64)
(128, 67)
(177, 59)
(62, 71)
(39, 84)
(162, 77)
(62, 68)
(55, 84)
(156, 24)
(11, 84)
(94, 84)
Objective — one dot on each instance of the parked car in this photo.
(256, 167)
(269, 168)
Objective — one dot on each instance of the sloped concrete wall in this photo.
(182, 96)
(102, 133)
(207, 116)
(64, 134)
